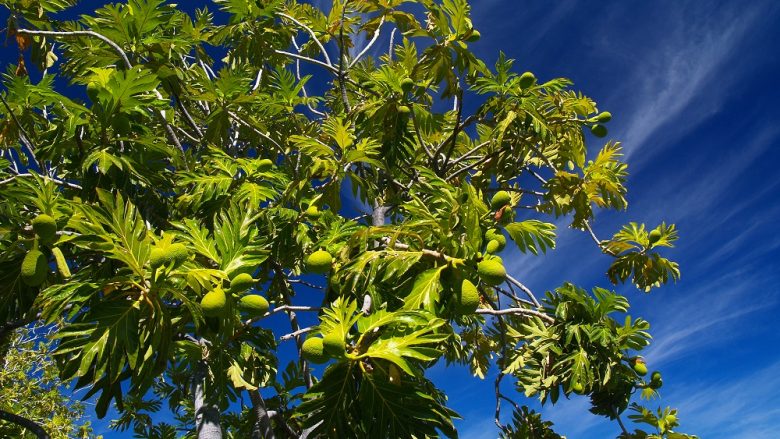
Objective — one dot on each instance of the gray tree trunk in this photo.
(262, 428)
(206, 411)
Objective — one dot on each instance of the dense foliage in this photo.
(173, 179)
(30, 387)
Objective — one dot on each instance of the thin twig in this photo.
(525, 289)
(313, 35)
(54, 180)
(518, 311)
(370, 43)
(80, 33)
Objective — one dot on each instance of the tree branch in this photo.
(54, 180)
(313, 36)
(518, 311)
(370, 43)
(80, 33)
(525, 289)
(24, 137)
(34, 427)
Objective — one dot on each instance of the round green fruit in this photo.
(35, 268)
(214, 303)
(500, 199)
(178, 252)
(333, 344)
(254, 305)
(654, 236)
(313, 212)
(598, 130)
(265, 165)
(242, 282)
(467, 298)
(640, 368)
(656, 376)
(603, 117)
(656, 384)
(314, 351)
(474, 37)
(46, 228)
(527, 79)
(319, 262)
(163, 256)
(403, 109)
(577, 388)
(158, 257)
(394, 374)
(493, 247)
(496, 235)
(491, 271)
(407, 84)
(93, 89)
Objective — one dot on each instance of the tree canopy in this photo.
(172, 180)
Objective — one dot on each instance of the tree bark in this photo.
(206, 412)
(262, 428)
(26, 423)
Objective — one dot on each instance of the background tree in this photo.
(205, 181)
(30, 389)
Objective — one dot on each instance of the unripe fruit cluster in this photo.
(164, 256)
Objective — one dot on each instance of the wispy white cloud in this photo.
(681, 70)
(727, 409)
(685, 326)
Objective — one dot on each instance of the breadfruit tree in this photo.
(173, 181)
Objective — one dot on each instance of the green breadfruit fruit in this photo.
(333, 345)
(62, 264)
(603, 117)
(527, 79)
(265, 165)
(654, 236)
(313, 212)
(254, 305)
(491, 271)
(394, 374)
(656, 376)
(475, 36)
(496, 235)
(179, 252)
(46, 228)
(577, 388)
(241, 282)
(158, 257)
(500, 199)
(314, 351)
(467, 298)
(493, 247)
(35, 268)
(640, 367)
(164, 256)
(403, 109)
(93, 90)
(598, 130)
(214, 303)
(319, 262)
(407, 84)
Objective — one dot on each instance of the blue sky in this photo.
(692, 88)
